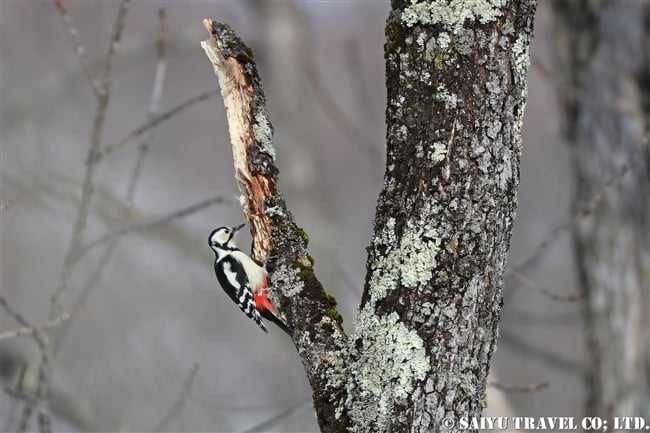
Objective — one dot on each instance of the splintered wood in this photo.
(238, 89)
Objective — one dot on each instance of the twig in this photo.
(181, 400)
(79, 49)
(529, 350)
(41, 340)
(154, 122)
(27, 331)
(181, 213)
(42, 393)
(95, 143)
(43, 369)
(18, 394)
(154, 106)
(112, 237)
(565, 90)
(268, 424)
(519, 387)
(91, 283)
(555, 296)
(528, 318)
(573, 220)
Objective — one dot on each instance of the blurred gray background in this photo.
(157, 308)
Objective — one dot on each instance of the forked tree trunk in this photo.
(419, 354)
(606, 50)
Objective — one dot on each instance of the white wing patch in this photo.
(255, 273)
(230, 275)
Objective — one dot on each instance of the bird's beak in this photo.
(239, 227)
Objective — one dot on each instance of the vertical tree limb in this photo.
(56, 307)
(91, 162)
(145, 141)
(309, 310)
(456, 79)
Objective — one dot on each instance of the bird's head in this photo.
(224, 237)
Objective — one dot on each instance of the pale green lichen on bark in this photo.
(450, 99)
(264, 134)
(439, 152)
(464, 41)
(443, 40)
(288, 278)
(520, 62)
(409, 262)
(384, 372)
(274, 211)
(520, 58)
(453, 13)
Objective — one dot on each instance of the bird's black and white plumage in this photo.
(243, 280)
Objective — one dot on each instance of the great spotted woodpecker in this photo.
(242, 279)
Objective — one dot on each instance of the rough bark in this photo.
(606, 52)
(277, 240)
(419, 355)
(456, 78)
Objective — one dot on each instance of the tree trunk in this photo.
(429, 316)
(606, 50)
(419, 355)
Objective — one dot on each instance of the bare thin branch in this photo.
(178, 214)
(87, 290)
(583, 211)
(180, 401)
(39, 339)
(154, 106)
(28, 331)
(555, 296)
(118, 27)
(79, 49)
(44, 369)
(56, 308)
(95, 143)
(155, 121)
(519, 387)
(270, 423)
(536, 319)
(145, 141)
(565, 90)
(18, 394)
(112, 238)
(530, 350)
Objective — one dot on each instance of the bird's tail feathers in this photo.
(267, 310)
(271, 317)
